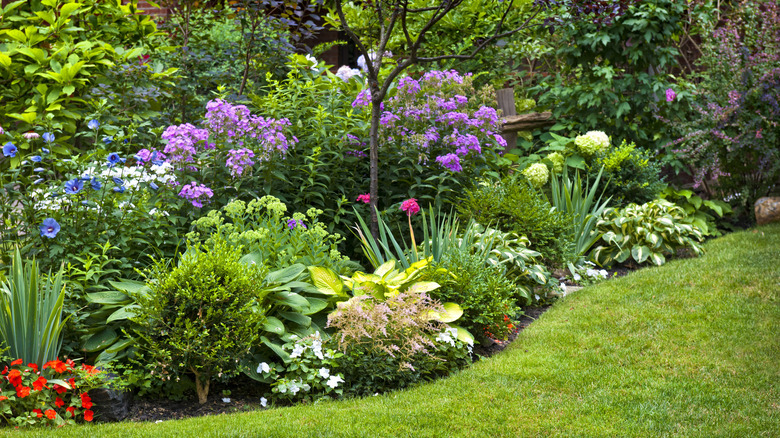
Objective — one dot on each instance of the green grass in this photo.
(690, 349)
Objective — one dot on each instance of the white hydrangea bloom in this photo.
(537, 174)
(592, 142)
(263, 368)
(345, 73)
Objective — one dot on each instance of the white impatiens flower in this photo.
(297, 351)
(324, 373)
(312, 60)
(263, 402)
(225, 399)
(263, 368)
(334, 381)
(592, 142)
(447, 336)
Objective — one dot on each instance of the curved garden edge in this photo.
(686, 349)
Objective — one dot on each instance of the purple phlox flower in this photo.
(670, 95)
(363, 99)
(93, 124)
(74, 186)
(9, 150)
(237, 125)
(182, 141)
(143, 156)
(49, 228)
(292, 223)
(450, 161)
(48, 137)
(409, 85)
(239, 160)
(500, 140)
(196, 193)
(454, 118)
(465, 143)
(388, 118)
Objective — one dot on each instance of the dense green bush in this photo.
(202, 316)
(511, 204)
(630, 175)
(485, 294)
(52, 52)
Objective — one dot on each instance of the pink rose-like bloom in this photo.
(30, 135)
(365, 198)
(410, 207)
(670, 95)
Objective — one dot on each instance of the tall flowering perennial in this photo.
(182, 143)
(433, 117)
(196, 193)
(239, 160)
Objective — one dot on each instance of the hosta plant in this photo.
(52, 395)
(647, 232)
(702, 213)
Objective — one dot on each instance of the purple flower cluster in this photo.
(450, 161)
(196, 193)
(239, 160)
(236, 125)
(363, 99)
(183, 141)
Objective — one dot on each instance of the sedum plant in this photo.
(31, 312)
(647, 232)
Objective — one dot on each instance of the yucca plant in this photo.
(568, 196)
(31, 312)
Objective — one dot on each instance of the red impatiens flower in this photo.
(71, 410)
(39, 383)
(2, 397)
(90, 369)
(22, 391)
(17, 362)
(15, 377)
(86, 402)
(88, 415)
(59, 402)
(38, 413)
(60, 389)
(33, 366)
(5, 370)
(51, 414)
(57, 365)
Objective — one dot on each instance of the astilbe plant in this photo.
(52, 395)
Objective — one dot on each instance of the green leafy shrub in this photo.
(278, 241)
(632, 175)
(703, 213)
(483, 292)
(202, 316)
(52, 52)
(512, 205)
(647, 232)
(392, 344)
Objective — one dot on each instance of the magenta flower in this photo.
(364, 198)
(410, 207)
(670, 95)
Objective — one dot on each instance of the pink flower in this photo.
(410, 206)
(670, 95)
(365, 198)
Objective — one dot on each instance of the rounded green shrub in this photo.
(202, 316)
(631, 175)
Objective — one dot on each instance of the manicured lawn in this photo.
(688, 349)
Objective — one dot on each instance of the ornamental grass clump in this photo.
(202, 316)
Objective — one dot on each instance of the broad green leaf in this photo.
(276, 348)
(121, 345)
(326, 281)
(68, 9)
(285, 275)
(423, 286)
(17, 34)
(451, 313)
(5, 60)
(315, 305)
(108, 297)
(385, 268)
(130, 286)
(273, 325)
(123, 313)
(640, 253)
(292, 300)
(463, 334)
(657, 258)
(296, 317)
(100, 340)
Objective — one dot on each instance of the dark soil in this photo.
(530, 314)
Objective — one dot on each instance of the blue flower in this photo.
(118, 181)
(36, 158)
(153, 186)
(114, 159)
(9, 150)
(95, 183)
(45, 151)
(108, 140)
(48, 137)
(119, 189)
(93, 124)
(38, 169)
(74, 186)
(50, 228)
(38, 181)
(86, 177)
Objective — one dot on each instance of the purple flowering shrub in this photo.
(729, 141)
(437, 133)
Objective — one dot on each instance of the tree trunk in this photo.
(374, 160)
(201, 387)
